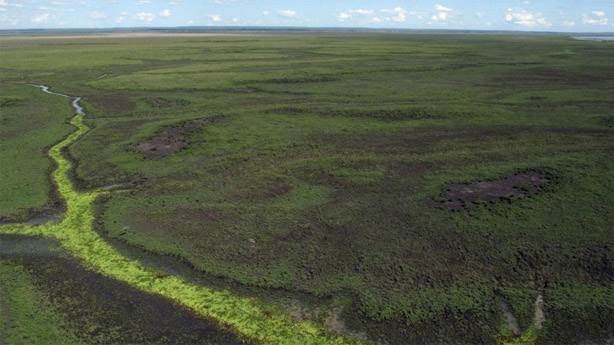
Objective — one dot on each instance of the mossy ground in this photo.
(75, 232)
(321, 177)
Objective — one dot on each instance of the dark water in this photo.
(115, 312)
(17, 246)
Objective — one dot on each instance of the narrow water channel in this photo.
(115, 312)
(248, 318)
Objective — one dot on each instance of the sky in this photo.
(529, 15)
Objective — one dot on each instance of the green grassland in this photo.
(30, 123)
(319, 174)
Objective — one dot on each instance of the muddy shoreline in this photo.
(113, 311)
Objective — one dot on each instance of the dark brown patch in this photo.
(278, 190)
(519, 185)
(161, 102)
(171, 139)
(301, 232)
(111, 105)
(542, 75)
(382, 114)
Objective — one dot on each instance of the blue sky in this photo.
(535, 15)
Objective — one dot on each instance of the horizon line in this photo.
(297, 29)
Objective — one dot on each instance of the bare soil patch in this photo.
(464, 195)
(278, 190)
(172, 139)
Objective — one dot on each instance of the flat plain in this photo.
(388, 188)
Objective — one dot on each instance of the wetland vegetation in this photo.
(322, 189)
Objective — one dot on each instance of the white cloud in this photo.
(145, 16)
(600, 14)
(166, 13)
(288, 13)
(595, 18)
(361, 12)
(41, 18)
(215, 17)
(343, 16)
(442, 13)
(523, 17)
(349, 14)
(397, 14)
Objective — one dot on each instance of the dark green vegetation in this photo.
(320, 165)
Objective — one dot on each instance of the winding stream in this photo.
(75, 100)
(246, 317)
